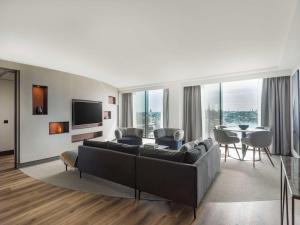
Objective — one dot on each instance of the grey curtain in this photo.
(166, 108)
(127, 110)
(192, 116)
(275, 113)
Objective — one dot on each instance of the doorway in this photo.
(8, 119)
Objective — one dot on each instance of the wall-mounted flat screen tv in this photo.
(86, 112)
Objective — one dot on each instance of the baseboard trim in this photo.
(7, 152)
(36, 162)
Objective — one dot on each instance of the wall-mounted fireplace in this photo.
(58, 127)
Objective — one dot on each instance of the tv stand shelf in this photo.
(86, 126)
(81, 137)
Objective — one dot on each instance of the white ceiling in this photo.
(133, 42)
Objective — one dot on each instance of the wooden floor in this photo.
(7, 162)
(24, 200)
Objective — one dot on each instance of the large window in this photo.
(231, 104)
(241, 102)
(148, 111)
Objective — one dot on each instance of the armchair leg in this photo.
(269, 156)
(259, 152)
(269, 151)
(253, 157)
(237, 151)
(195, 213)
(226, 150)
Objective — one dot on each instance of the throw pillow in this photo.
(201, 149)
(208, 143)
(187, 146)
(192, 155)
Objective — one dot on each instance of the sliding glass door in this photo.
(148, 111)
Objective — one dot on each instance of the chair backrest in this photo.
(260, 139)
(176, 133)
(133, 132)
(221, 136)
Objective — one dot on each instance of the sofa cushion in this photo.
(201, 148)
(129, 149)
(97, 144)
(192, 155)
(187, 146)
(175, 156)
(208, 143)
(197, 141)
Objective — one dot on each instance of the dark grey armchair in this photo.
(130, 136)
(170, 137)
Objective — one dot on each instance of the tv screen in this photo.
(86, 112)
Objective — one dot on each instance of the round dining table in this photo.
(244, 134)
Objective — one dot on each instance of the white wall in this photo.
(7, 113)
(35, 141)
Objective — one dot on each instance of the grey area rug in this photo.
(238, 181)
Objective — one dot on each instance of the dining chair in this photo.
(230, 133)
(259, 140)
(224, 137)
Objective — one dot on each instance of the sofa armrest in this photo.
(118, 134)
(171, 180)
(178, 135)
(108, 164)
(208, 166)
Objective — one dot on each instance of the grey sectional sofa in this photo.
(180, 182)
(173, 179)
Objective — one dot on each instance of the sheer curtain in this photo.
(166, 108)
(127, 110)
(275, 112)
(192, 116)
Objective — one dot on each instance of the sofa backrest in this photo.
(129, 149)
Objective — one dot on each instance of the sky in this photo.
(155, 100)
(237, 96)
(241, 95)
